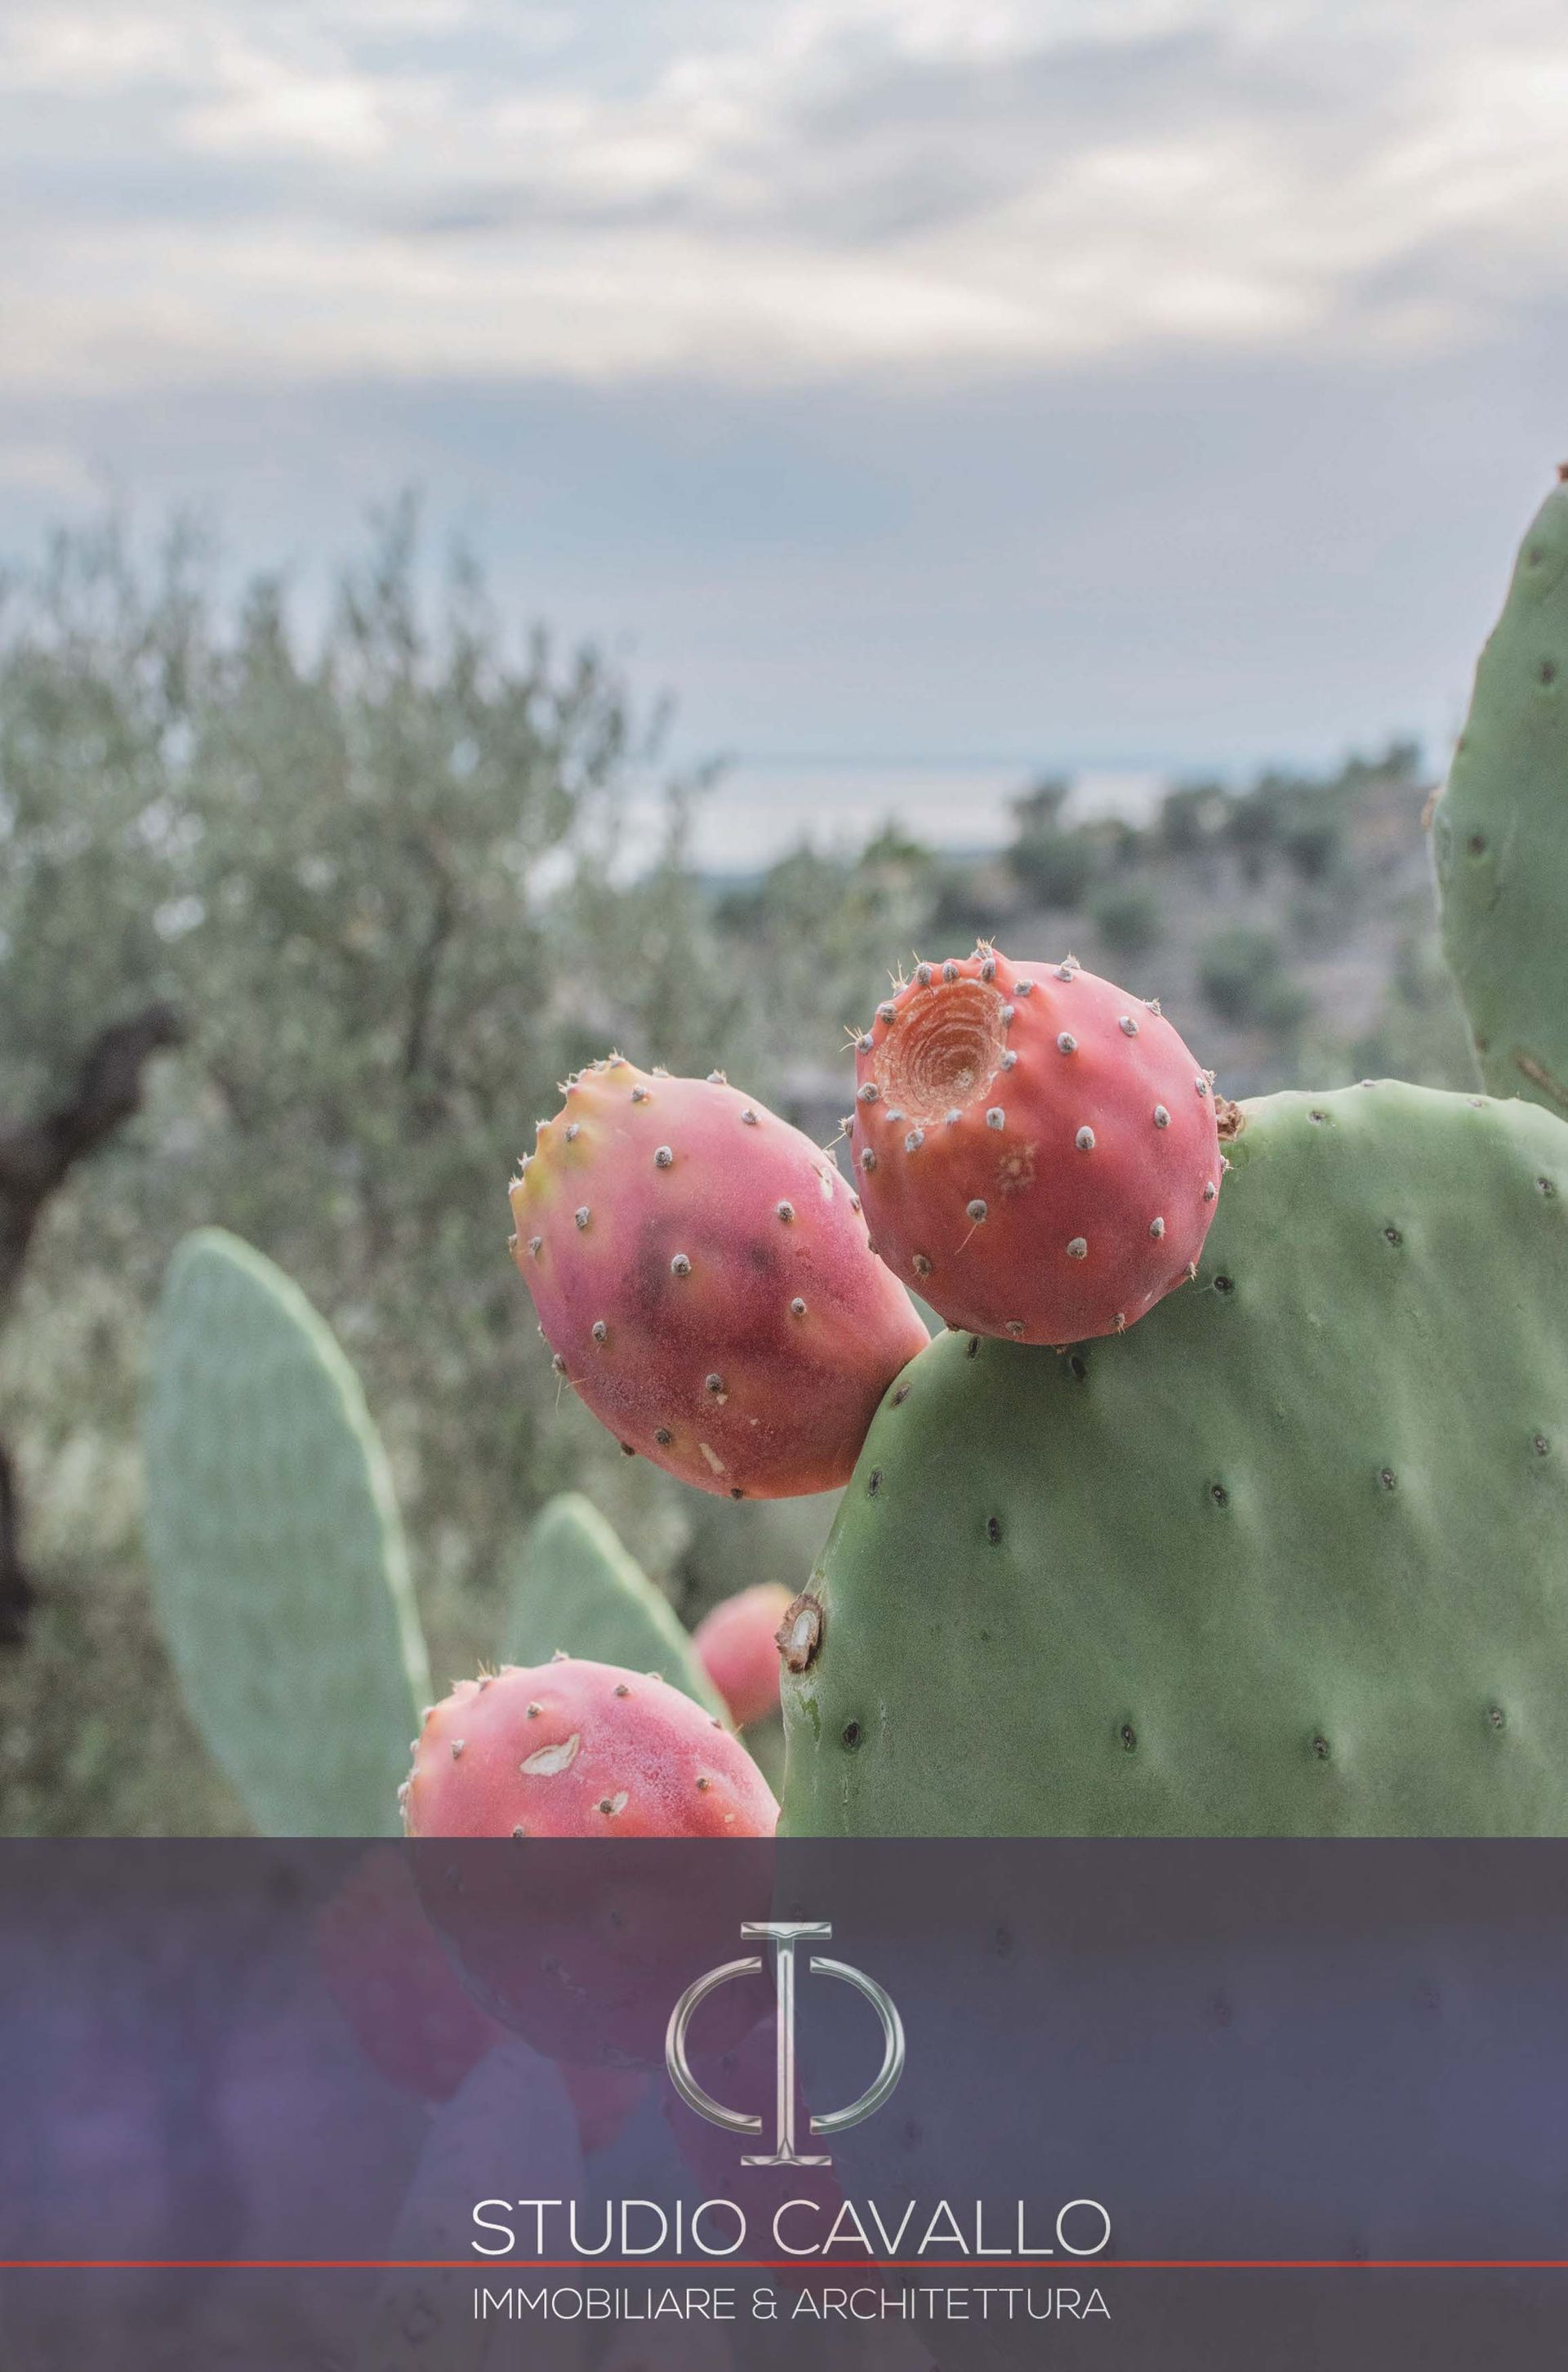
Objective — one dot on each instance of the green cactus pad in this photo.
(1288, 1558)
(279, 1573)
(1500, 832)
(580, 1593)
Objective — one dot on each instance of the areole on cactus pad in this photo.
(1037, 1150)
(703, 1275)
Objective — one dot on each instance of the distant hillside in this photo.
(1288, 928)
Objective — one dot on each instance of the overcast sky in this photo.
(1096, 381)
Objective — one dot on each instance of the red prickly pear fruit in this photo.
(583, 1954)
(387, 1971)
(604, 2099)
(703, 1275)
(1037, 1151)
(737, 1646)
(573, 1749)
(408, 2010)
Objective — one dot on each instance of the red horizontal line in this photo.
(484, 2268)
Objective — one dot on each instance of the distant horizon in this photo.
(969, 818)
(1036, 769)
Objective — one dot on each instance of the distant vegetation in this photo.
(369, 881)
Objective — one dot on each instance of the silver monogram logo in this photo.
(784, 1935)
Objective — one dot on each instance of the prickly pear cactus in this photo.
(581, 1594)
(1500, 832)
(1290, 1557)
(279, 1573)
(421, 2318)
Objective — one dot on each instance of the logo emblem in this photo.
(783, 1935)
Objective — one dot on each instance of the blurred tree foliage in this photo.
(1052, 863)
(1243, 975)
(821, 933)
(329, 862)
(1420, 1033)
(1127, 916)
(380, 872)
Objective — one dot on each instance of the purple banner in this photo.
(891, 2106)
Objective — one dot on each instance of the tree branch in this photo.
(426, 966)
(37, 1155)
(36, 1158)
(15, 1590)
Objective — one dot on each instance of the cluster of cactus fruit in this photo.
(1220, 1505)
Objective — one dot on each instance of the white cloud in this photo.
(803, 190)
(68, 50)
(268, 108)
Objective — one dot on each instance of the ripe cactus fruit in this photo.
(1037, 1150)
(606, 2098)
(573, 1749)
(1500, 831)
(1287, 1560)
(394, 1984)
(703, 1275)
(738, 1644)
(583, 1954)
(408, 2010)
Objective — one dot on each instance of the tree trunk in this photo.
(15, 1590)
(36, 1158)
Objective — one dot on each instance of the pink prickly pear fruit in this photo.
(737, 1646)
(604, 2099)
(703, 1275)
(388, 1976)
(573, 1749)
(583, 1954)
(409, 2011)
(1037, 1150)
